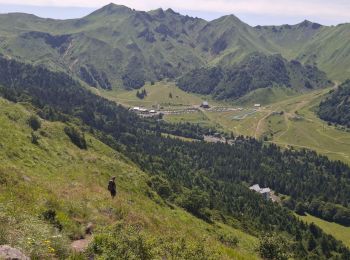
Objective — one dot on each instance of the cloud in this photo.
(320, 8)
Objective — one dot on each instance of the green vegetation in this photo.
(194, 175)
(157, 94)
(76, 136)
(256, 71)
(117, 47)
(338, 231)
(50, 192)
(178, 196)
(266, 96)
(142, 94)
(34, 122)
(335, 108)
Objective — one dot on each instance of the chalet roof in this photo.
(265, 190)
(255, 187)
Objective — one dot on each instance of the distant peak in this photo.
(228, 20)
(112, 9)
(171, 11)
(158, 13)
(307, 23)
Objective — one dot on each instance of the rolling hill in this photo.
(116, 46)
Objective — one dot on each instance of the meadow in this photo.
(338, 231)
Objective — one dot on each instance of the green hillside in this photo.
(339, 231)
(324, 46)
(213, 189)
(256, 71)
(335, 108)
(55, 175)
(117, 47)
(183, 176)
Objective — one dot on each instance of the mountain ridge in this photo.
(116, 46)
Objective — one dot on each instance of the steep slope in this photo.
(52, 190)
(324, 46)
(228, 40)
(336, 107)
(254, 72)
(330, 51)
(290, 38)
(113, 46)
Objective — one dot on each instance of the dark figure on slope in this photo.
(112, 187)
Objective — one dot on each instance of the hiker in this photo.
(112, 187)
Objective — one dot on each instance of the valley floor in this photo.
(287, 118)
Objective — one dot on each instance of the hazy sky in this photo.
(251, 11)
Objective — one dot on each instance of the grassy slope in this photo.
(338, 231)
(56, 174)
(331, 51)
(157, 94)
(266, 96)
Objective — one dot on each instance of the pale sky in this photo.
(251, 11)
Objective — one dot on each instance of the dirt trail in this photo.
(81, 245)
(259, 125)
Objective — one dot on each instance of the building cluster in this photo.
(144, 111)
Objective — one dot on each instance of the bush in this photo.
(273, 247)
(161, 186)
(129, 242)
(122, 243)
(50, 216)
(35, 138)
(228, 239)
(76, 137)
(196, 202)
(34, 122)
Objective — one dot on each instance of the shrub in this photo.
(161, 186)
(76, 136)
(35, 138)
(273, 247)
(228, 239)
(50, 216)
(196, 202)
(123, 243)
(34, 122)
(130, 242)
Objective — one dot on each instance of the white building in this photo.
(265, 192)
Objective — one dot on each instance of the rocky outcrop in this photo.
(9, 253)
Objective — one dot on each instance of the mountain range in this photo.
(116, 46)
(179, 196)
